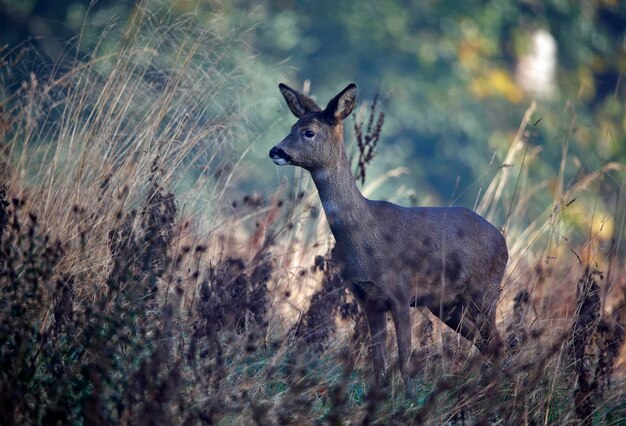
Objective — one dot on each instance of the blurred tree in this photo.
(49, 24)
(459, 75)
(449, 68)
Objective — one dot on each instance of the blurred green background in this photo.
(455, 78)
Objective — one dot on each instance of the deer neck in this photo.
(343, 203)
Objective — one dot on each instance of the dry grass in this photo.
(123, 304)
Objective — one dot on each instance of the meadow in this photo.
(142, 285)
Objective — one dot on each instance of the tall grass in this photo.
(140, 286)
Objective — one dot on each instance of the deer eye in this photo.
(309, 134)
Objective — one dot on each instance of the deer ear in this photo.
(298, 103)
(341, 105)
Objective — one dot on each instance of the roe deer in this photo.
(449, 259)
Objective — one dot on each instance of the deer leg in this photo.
(377, 320)
(457, 318)
(402, 322)
(489, 342)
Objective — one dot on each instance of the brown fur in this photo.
(448, 259)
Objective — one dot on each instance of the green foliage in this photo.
(453, 99)
(449, 70)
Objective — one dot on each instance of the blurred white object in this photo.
(535, 70)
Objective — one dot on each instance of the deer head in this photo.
(316, 140)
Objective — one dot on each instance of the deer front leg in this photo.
(402, 321)
(377, 321)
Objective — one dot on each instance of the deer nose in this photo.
(280, 157)
(279, 153)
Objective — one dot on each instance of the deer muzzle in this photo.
(279, 156)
